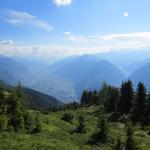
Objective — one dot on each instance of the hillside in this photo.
(35, 99)
(58, 134)
(102, 121)
(86, 72)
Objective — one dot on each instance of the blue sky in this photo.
(68, 27)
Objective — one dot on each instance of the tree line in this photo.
(121, 102)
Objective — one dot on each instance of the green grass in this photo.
(58, 134)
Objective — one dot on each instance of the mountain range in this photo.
(67, 78)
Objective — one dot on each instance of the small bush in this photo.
(3, 122)
(81, 125)
(67, 117)
(38, 125)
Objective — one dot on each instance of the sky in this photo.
(52, 28)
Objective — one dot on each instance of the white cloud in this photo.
(6, 42)
(138, 37)
(75, 38)
(24, 18)
(126, 14)
(62, 2)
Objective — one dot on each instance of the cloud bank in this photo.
(80, 45)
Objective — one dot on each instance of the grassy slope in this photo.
(56, 135)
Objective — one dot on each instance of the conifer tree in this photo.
(130, 142)
(94, 98)
(110, 103)
(139, 109)
(103, 93)
(102, 134)
(15, 113)
(84, 98)
(81, 125)
(126, 98)
(147, 116)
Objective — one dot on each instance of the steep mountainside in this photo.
(11, 71)
(39, 100)
(86, 72)
(34, 99)
(142, 74)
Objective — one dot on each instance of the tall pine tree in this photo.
(139, 108)
(126, 98)
(102, 135)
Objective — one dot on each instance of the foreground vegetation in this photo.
(57, 134)
(97, 124)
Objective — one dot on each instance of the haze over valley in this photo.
(66, 78)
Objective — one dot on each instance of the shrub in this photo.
(38, 125)
(3, 122)
(81, 125)
(28, 122)
(67, 117)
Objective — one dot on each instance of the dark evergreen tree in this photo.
(130, 142)
(110, 103)
(103, 93)
(94, 97)
(147, 116)
(15, 112)
(81, 125)
(84, 98)
(126, 98)
(102, 134)
(138, 112)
